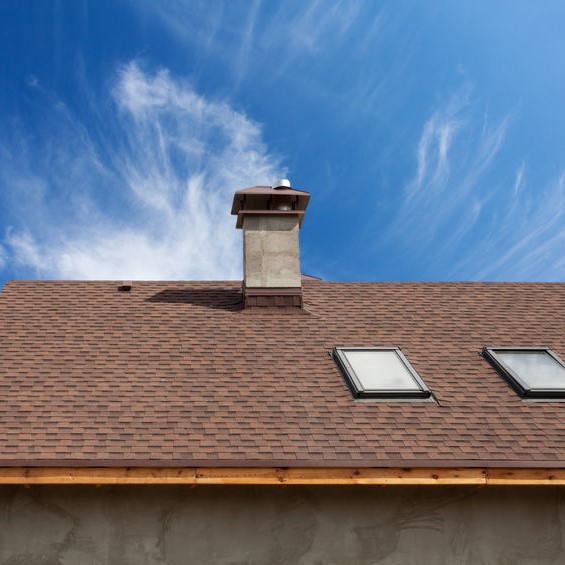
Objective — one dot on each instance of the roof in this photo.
(177, 373)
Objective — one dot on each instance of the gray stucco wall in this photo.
(281, 525)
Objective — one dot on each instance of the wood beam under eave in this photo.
(277, 476)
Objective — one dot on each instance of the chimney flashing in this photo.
(269, 297)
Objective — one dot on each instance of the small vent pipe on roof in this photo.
(125, 286)
(282, 202)
(281, 183)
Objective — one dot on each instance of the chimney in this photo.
(270, 217)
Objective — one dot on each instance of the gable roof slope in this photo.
(177, 374)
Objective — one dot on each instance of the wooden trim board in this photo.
(277, 476)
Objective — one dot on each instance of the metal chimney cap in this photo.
(281, 183)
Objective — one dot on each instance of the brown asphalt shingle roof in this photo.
(176, 373)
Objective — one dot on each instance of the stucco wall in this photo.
(281, 525)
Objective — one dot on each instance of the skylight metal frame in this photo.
(356, 386)
(515, 381)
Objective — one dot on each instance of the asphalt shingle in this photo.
(177, 373)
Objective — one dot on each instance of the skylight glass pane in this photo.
(381, 370)
(537, 369)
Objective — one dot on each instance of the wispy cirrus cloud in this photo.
(526, 238)
(434, 145)
(458, 215)
(519, 179)
(143, 193)
(260, 38)
(444, 198)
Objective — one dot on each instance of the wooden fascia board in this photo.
(278, 476)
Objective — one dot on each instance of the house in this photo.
(286, 420)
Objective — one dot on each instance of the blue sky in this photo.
(431, 136)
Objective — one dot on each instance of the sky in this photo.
(431, 136)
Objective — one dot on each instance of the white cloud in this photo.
(32, 81)
(452, 159)
(258, 42)
(146, 194)
(443, 205)
(513, 231)
(25, 249)
(519, 179)
(434, 146)
(527, 242)
(432, 153)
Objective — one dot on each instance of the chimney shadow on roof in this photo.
(215, 298)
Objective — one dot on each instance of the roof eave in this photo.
(377, 476)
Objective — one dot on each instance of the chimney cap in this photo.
(254, 200)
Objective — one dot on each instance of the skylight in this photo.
(532, 371)
(381, 372)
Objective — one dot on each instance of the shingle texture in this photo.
(177, 373)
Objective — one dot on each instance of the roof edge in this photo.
(282, 463)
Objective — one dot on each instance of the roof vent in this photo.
(125, 286)
(281, 183)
